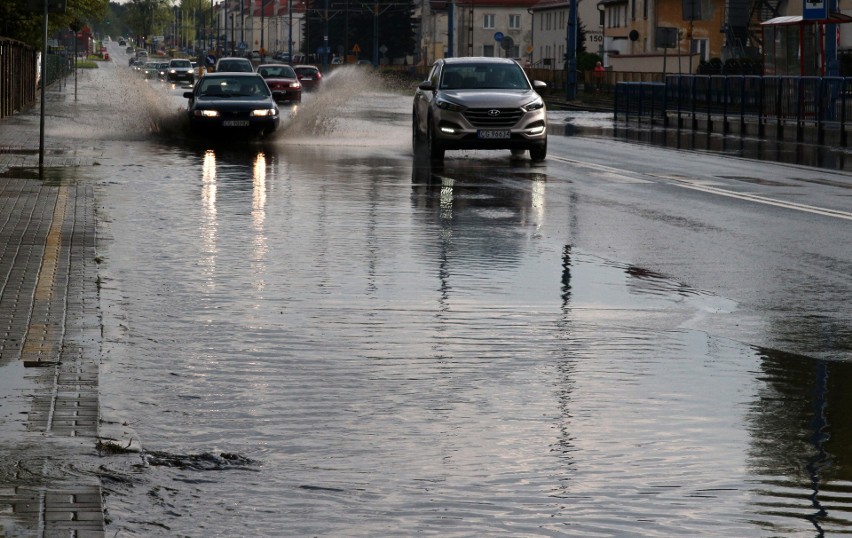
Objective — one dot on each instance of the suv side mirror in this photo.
(539, 85)
(426, 85)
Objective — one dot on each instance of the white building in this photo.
(550, 31)
(493, 28)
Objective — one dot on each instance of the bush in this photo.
(586, 61)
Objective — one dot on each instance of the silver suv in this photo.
(479, 103)
(180, 69)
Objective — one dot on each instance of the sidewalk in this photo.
(50, 346)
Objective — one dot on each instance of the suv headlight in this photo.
(448, 105)
(534, 105)
(264, 112)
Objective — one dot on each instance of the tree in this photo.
(352, 22)
(145, 18)
(19, 22)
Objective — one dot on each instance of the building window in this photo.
(488, 22)
(617, 17)
(701, 46)
(514, 22)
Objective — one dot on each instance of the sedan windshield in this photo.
(483, 76)
(277, 71)
(233, 87)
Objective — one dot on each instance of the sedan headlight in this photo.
(207, 113)
(448, 105)
(295, 85)
(535, 105)
(264, 112)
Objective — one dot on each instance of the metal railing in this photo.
(20, 77)
(723, 102)
(18, 63)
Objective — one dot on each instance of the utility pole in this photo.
(290, 37)
(451, 14)
(376, 34)
(571, 52)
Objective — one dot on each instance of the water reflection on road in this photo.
(580, 123)
(353, 341)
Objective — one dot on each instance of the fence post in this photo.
(708, 102)
(779, 133)
(820, 111)
(725, 96)
(843, 113)
(742, 105)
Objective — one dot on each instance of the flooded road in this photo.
(322, 335)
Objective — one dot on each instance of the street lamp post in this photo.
(290, 33)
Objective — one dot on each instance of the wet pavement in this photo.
(321, 335)
(51, 333)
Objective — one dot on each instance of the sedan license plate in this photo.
(235, 123)
(491, 134)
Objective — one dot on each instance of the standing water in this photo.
(309, 337)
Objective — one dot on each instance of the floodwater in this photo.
(318, 336)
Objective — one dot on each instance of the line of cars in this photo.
(176, 70)
(239, 98)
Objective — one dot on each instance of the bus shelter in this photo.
(795, 46)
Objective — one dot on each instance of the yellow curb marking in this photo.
(42, 338)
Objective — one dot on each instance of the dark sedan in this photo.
(233, 103)
(283, 79)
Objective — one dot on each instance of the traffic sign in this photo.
(356, 49)
(498, 36)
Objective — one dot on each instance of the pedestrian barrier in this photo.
(20, 75)
(764, 106)
(18, 63)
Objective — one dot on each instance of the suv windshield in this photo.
(483, 76)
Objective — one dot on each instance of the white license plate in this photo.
(500, 135)
(235, 123)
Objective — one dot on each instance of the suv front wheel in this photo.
(416, 137)
(539, 153)
(436, 149)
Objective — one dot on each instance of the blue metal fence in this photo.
(721, 102)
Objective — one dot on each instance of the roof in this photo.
(440, 5)
(478, 59)
(550, 4)
(790, 20)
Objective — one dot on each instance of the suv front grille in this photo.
(487, 118)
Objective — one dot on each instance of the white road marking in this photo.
(610, 173)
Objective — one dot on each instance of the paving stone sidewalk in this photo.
(50, 345)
